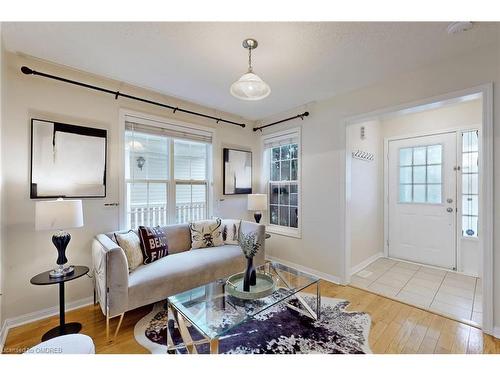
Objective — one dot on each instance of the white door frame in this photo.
(485, 179)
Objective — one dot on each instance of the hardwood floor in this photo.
(396, 328)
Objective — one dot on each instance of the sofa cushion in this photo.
(183, 271)
(131, 245)
(206, 233)
(178, 238)
(153, 243)
(230, 231)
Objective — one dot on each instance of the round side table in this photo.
(44, 279)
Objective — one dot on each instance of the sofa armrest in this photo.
(260, 230)
(110, 275)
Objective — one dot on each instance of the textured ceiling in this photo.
(302, 62)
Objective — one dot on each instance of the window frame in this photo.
(460, 216)
(169, 124)
(266, 182)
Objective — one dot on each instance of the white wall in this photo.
(321, 247)
(366, 200)
(28, 252)
(2, 88)
(458, 116)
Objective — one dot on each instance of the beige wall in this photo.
(366, 201)
(323, 139)
(464, 115)
(2, 86)
(28, 252)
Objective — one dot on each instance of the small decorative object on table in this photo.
(250, 247)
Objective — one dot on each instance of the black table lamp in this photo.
(257, 203)
(58, 215)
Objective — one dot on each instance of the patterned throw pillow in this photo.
(131, 245)
(230, 229)
(206, 233)
(153, 243)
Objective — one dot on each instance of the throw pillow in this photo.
(230, 230)
(153, 243)
(131, 245)
(206, 233)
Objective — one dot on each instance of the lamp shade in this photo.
(58, 214)
(257, 202)
(250, 87)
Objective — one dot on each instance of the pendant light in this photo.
(250, 86)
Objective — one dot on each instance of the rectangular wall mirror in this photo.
(67, 161)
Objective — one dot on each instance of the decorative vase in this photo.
(250, 278)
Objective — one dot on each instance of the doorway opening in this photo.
(416, 188)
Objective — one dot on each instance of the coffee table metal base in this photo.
(190, 345)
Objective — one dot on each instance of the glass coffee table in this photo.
(213, 312)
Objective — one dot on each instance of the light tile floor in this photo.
(448, 293)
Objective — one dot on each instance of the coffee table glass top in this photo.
(213, 312)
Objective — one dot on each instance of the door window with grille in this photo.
(420, 174)
(470, 181)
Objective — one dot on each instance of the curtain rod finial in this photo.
(26, 70)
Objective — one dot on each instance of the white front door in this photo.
(422, 199)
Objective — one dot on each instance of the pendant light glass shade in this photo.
(250, 87)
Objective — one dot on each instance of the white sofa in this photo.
(119, 291)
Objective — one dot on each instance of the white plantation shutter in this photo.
(170, 130)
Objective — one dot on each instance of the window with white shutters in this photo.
(166, 174)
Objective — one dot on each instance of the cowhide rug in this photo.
(279, 330)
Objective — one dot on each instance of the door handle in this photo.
(449, 209)
(449, 200)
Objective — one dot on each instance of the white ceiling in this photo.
(302, 62)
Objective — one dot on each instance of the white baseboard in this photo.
(3, 335)
(37, 315)
(366, 262)
(321, 275)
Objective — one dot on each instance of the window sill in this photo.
(284, 231)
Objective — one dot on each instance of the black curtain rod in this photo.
(301, 116)
(116, 94)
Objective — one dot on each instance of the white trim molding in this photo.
(366, 262)
(486, 182)
(38, 315)
(265, 176)
(313, 272)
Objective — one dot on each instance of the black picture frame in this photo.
(225, 159)
(74, 129)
